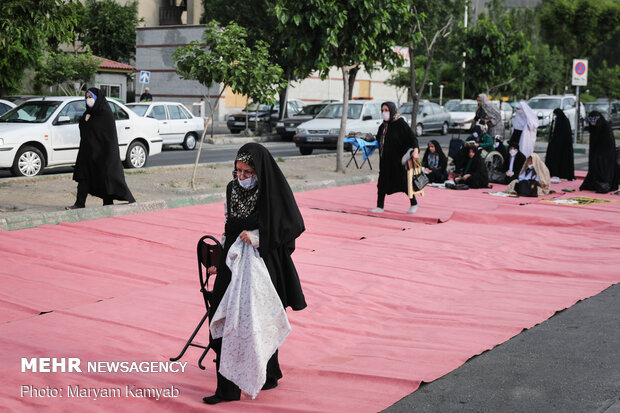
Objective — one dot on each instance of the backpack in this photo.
(455, 146)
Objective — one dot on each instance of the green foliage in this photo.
(60, 68)
(495, 54)
(25, 27)
(578, 27)
(109, 28)
(230, 61)
(604, 81)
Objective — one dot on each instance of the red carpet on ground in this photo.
(393, 299)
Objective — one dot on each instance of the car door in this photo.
(371, 118)
(124, 127)
(158, 111)
(66, 133)
(177, 122)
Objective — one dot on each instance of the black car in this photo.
(267, 116)
(609, 110)
(286, 127)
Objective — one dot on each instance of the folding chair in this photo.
(209, 254)
(367, 148)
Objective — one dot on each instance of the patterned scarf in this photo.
(243, 202)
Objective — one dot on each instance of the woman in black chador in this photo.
(397, 143)
(98, 169)
(261, 210)
(560, 159)
(601, 156)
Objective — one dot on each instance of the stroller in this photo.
(209, 252)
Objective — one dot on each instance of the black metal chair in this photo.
(209, 254)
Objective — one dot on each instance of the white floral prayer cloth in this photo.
(250, 319)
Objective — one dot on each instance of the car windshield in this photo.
(253, 107)
(600, 107)
(405, 108)
(139, 109)
(31, 112)
(450, 105)
(310, 110)
(334, 111)
(537, 103)
(465, 107)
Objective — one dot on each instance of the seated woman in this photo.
(474, 174)
(601, 156)
(513, 163)
(533, 169)
(434, 163)
(482, 138)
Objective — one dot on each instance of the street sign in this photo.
(580, 72)
(145, 76)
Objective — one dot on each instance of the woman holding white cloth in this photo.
(261, 211)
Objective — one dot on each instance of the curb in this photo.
(18, 222)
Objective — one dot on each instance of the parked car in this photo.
(543, 106)
(5, 106)
(286, 127)
(176, 124)
(609, 110)
(267, 115)
(465, 110)
(322, 131)
(19, 99)
(44, 132)
(451, 104)
(431, 117)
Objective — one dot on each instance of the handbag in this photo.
(416, 180)
(527, 187)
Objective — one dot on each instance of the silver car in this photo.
(431, 117)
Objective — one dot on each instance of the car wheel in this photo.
(29, 161)
(136, 155)
(189, 143)
(419, 130)
(444, 128)
(305, 151)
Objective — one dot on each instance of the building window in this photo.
(113, 91)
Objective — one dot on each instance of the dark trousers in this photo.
(381, 199)
(226, 389)
(82, 193)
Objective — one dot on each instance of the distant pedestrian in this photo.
(601, 156)
(146, 96)
(98, 169)
(525, 126)
(397, 144)
(487, 114)
(560, 157)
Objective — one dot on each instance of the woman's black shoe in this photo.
(74, 207)
(212, 399)
(270, 384)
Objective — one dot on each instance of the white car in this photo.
(176, 124)
(464, 111)
(44, 132)
(544, 105)
(322, 132)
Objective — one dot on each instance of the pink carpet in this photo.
(393, 299)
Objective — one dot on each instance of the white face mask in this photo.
(513, 152)
(248, 183)
(496, 144)
(90, 102)
(386, 116)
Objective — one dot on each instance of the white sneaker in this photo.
(376, 210)
(413, 209)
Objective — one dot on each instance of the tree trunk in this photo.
(415, 98)
(352, 76)
(343, 118)
(202, 138)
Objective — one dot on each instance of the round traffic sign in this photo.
(580, 68)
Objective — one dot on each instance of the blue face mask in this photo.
(248, 183)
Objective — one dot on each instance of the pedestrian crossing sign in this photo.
(145, 76)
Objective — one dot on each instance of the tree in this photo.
(229, 61)
(109, 28)
(429, 22)
(259, 20)
(60, 68)
(25, 27)
(345, 34)
(578, 27)
(495, 55)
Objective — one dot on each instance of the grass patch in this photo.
(137, 172)
(281, 159)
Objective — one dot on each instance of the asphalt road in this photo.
(210, 153)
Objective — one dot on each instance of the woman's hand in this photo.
(245, 237)
(212, 270)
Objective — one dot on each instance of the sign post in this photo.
(145, 78)
(580, 78)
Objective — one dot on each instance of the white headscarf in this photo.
(525, 117)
